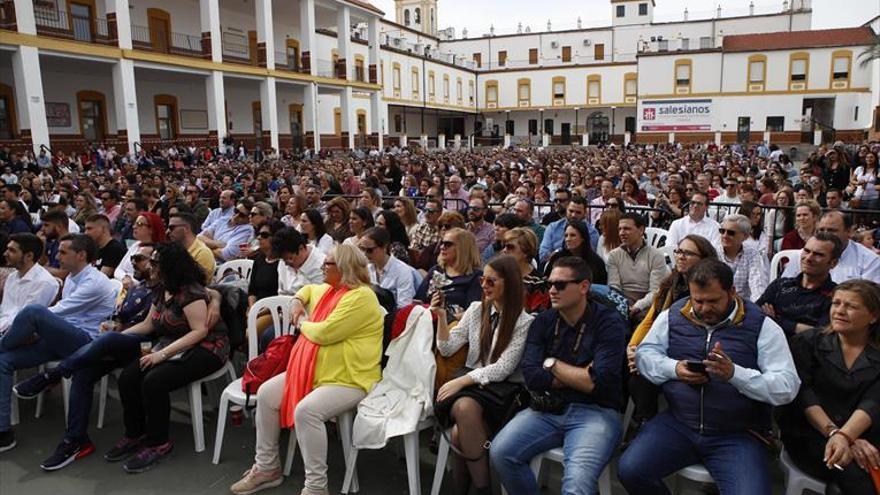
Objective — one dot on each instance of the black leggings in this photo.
(807, 454)
(645, 396)
(146, 394)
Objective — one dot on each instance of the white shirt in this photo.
(325, 244)
(685, 226)
(38, 286)
(291, 280)
(857, 261)
(396, 277)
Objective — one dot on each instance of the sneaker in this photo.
(255, 480)
(123, 449)
(147, 458)
(66, 453)
(35, 385)
(7, 440)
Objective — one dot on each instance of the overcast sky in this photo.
(478, 15)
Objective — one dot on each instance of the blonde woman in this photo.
(457, 272)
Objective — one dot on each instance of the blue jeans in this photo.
(57, 339)
(737, 461)
(87, 365)
(587, 433)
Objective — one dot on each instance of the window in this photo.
(757, 72)
(478, 59)
(643, 9)
(395, 79)
(548, 126)
(257, 112)
(458, 92)
(682, 76)
(533, 55)
(417, 16)
(798, 68)
(431, 85)
(92, 119)
(398, 123)
(446, 89)
(533, 127)
(293, 55)
(663, 46)
(359, 73)
(621, 10)
(841, 62)
(594, 89)
(685, 44)
(470, 92)
(566, 54)
(502, 58)
(509, 127)
(7, 113)
(492, 93)
(406, 17)
(415, 83)
(705, 42)
(524, 92)
(599, 51)
(558, 84)
(630, 86)
(166, 116)
(775, 124)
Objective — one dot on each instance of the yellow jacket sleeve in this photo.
(355, 306)
(644, 326)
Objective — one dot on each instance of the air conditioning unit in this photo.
(396, 42)
(554, 44)
(839, 85)
(587, 42)
(798, 86)
(653, 38)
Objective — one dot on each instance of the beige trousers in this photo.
(321, 405)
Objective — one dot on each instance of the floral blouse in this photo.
(169, 322)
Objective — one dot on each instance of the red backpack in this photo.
(271, 362)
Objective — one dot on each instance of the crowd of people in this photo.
(551, 307)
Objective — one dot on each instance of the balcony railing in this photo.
(236, 52)
(60, 24)
(326, 68)
(162, 41)
(287, 61)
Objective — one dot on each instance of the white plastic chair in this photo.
(696, 472)
(789, 254)
(656, 237)
(557, 455)
(344, 422)
(279, 308)
(411, 447)
(669, 254)
(797, 481)
(195, 402)
(241, 267)
(442, 458)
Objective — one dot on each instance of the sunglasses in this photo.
(255, 213)
(560, 285)
(509, 247)
(242, 213)
(368, 250)
(431, 210)
(265, 235)
(489, 281)
(446, 244)
(729, 232)
(141, 224)
(137, 258)
(329, 263)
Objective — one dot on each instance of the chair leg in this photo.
(536, 465)
(605, 481)
(195, 412)
(411, 445)
(627, 417)
(291, 452)
(344, 421)
(102, 400)
(65, 395)
(221, 426)
(42, 396)
(349, 470)
(440, 467)
(13, 410)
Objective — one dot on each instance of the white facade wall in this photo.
(62, 87)
(190, 93)
(185, 17)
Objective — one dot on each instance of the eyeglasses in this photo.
(509, 247)
(697, 203)
(475, 208)
(729, 232)
(368, 250)
(255, 213)
(137, 258)
(446, 244)
(172, 226)
(488, 281)
(431, 210)
(242, 213)
(265, 235)
(685, 254)
(560, 285)
(141, 224)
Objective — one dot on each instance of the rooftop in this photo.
(799, 39)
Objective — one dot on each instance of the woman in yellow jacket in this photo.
(335, 362)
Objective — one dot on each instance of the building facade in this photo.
(279, 74)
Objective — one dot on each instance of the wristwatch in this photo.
(549, 363)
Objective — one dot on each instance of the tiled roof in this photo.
(366, 5)
(799, 39)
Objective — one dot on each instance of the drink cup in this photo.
(146, 347)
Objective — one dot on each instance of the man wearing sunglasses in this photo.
(572, 366)
(695, 222)
(225, 238)
(181, 228)
(477, 225)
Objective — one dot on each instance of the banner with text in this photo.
(676, 115)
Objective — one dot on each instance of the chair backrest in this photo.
(241, 267)
(669, 253)
(60, 290)
(117, 290)
(279, 308)
(656, 237)
(776, 262)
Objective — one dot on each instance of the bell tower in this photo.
(420, 15)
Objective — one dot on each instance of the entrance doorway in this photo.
(159, 23)
(597, 127)
(818, 115)
(81, 21)
(743, 129)
(566, 133)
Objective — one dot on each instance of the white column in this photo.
(545, 140)
(29, 94)
(123, 22)
(346, 105)
(671, 138)
(266, 31)
(310, 111)
(125, 101)
(817, 138)
(585, 139)
(507, 140)
(373, 35)
(24, 17)
(343, 38)
(308, 44)
(627, 137)
(216, 93)
(269, 109)
(209, 11)
(377, 116)
(718, 138)
(767, 137)
(423, 141)
(403, 141)
(441, 141)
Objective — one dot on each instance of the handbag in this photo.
(500, 401)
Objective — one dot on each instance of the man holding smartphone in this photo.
(722, 365)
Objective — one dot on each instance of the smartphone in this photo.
(696, 366)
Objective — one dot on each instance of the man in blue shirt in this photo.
(39, 334)
(225, 238)
(572, 365)
(555, 233)
(223, 213)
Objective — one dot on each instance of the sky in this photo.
(478, 15)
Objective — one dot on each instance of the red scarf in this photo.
(300, 377)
